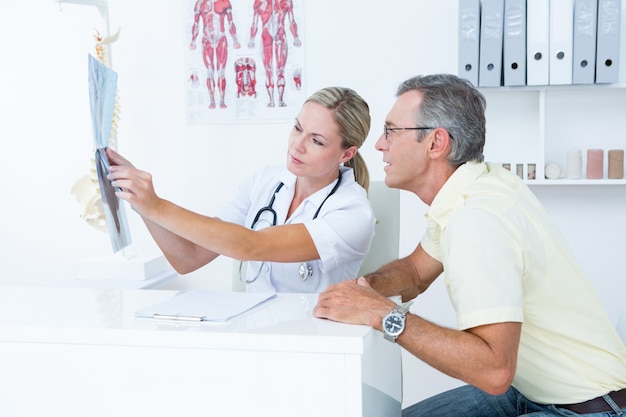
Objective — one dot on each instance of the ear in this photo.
(440, 143)
(348, 154)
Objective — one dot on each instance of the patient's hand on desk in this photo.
(353, 302)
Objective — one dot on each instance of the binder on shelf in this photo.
(469, 39)
(514, 43)
(608, 38)
(584, 56)
(561, 41)
(491, 34)
(538, 37)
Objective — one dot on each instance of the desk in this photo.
(82, 352)
(120, 284)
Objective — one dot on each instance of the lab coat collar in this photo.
(316, 199)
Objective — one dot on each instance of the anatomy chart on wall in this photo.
(245, 60)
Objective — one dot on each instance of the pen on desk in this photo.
(175, 317)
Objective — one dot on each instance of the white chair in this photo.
(386, 243)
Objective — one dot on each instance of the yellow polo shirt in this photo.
(505, 260)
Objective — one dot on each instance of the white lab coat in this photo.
(342, 231)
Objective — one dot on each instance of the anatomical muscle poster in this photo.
(245, 60)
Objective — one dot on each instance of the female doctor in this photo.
(297, 228)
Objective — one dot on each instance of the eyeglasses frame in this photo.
(386, 130)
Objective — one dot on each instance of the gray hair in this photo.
(456, 105)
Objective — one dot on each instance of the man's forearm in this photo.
(398, 277)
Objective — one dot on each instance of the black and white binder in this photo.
(607, 54)
(491, 34)
(469, 39)
(584, 57)
(538, 37)
(561, 41)
(514, 61)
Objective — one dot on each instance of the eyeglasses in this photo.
(386, 129)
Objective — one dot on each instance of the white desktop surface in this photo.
(82, 352)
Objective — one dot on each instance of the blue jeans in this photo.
(468, 401)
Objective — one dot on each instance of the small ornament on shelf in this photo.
(553, 171)
(616, 164)
(574, 164)
(595, 164)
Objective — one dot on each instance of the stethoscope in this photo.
(305, 271)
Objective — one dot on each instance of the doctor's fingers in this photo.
(140, 188)
(133, 178)
(128, 172)
(142, 199)
(117, 159)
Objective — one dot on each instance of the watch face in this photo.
(394, 323)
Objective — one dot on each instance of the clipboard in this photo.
(204, 305)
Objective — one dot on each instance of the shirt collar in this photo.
(451, 196)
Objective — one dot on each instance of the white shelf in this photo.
(540, 124)
(582, 181)
(576, 87)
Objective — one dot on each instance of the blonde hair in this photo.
(352, 115)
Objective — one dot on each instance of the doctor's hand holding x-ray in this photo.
(321, 221)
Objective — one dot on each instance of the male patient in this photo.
(533, 337)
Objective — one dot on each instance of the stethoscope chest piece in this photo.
(305, 271)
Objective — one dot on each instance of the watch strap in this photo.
(404, 307)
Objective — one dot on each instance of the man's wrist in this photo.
(393, 324)
(379, 314)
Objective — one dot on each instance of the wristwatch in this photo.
(393, 323)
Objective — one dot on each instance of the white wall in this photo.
(369, 46)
